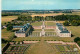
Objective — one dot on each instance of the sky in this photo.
(40, 4)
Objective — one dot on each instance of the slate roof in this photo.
(17, 26)
(23, 28)
(61, 28)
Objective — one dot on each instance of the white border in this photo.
(0, 27)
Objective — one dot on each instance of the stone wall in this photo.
(25, 42)
(20, 34)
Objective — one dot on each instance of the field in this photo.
(43, 47)
(7, 34)
(40, 48)
(36, 24)
(75, 30)
(44, 15)
(73, 13)
(8, 19)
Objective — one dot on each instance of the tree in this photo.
(10, 27)
(76, 39)
(3, 40)
(74, 23)
(66, 23)
(25, 17)
(5, 23)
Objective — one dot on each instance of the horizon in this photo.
(40, 4)
(43, 9)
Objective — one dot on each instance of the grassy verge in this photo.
(44, 38)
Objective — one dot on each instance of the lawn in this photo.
(40, 48)
(49, 30)
(36, 24)
(37, 30)
(26, 38)
(3, 44)
(7, 34)
(8, 19)
(44, 38)
(75, 30)
(50, 23)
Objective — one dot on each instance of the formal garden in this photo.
(17, 49)
(66, 49)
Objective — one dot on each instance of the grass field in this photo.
(50, 23)
(73, 13)
(50, 14)
(36, 24)
(7, 34)
(75, 30)
(40, 48)
(8, 19)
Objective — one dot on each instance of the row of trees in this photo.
(57, 18)
(67, 17)
(24, 18)
(73, 23)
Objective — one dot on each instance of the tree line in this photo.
(73, 20)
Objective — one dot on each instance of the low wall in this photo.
(61, 42)
(50, 27)
(25, 42)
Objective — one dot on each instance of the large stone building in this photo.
(62, 31)
(24, 30)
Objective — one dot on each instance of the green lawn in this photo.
(40, 48)
(26, 38)
(44, 38)
(37, 30)
(50, 23)
(3, 44)
(36, 24)
(6, 34)
(75, 30)
(49, 30)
